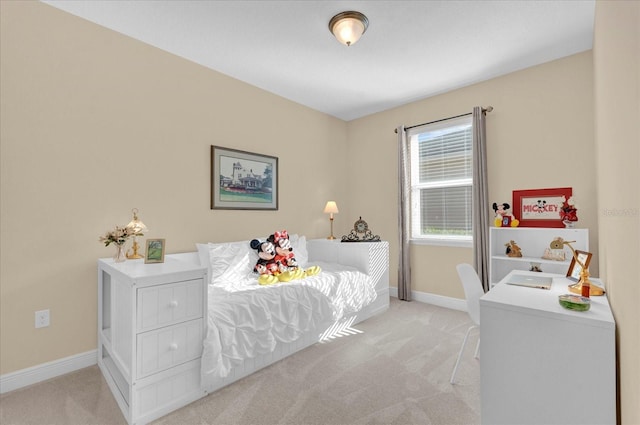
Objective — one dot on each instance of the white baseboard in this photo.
(439, 300)
(32, 375)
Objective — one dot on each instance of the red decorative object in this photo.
(540, 207)
(568, 210)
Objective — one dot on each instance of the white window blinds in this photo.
(441, 179)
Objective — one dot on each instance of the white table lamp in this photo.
(331, 208)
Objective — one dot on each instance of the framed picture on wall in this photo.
(539, 207)
(243, 180)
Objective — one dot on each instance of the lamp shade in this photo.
(137, 224)
(331, 208)
(348, 27)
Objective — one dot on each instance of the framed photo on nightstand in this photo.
(155, 251)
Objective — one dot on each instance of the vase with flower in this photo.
(568, 212)
(118, 237)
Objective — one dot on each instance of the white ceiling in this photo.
(412, 49)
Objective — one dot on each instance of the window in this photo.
(441, 181)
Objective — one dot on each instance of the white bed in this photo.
(250, 326)
(171, 333)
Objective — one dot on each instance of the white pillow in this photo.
(299, 245)
(227, 262)
(203, 254)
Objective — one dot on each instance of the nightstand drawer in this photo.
(164, 305)
(167, 347)
(175, 387)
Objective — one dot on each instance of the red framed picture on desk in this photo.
(540, 207)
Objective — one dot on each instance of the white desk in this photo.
(543, 364)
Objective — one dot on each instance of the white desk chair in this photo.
(472, 292)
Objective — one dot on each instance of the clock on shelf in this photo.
(360, 233)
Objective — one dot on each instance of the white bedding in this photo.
(246, 320)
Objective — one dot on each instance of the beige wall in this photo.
(617, 93)
(540, 135)
(94, 124)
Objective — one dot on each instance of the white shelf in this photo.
(532, 241)
(531, 260)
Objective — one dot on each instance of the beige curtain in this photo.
(480, 197)
(404, 211)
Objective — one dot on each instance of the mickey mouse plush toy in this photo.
(266, 265)
(504, 218)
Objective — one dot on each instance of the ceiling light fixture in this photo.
(348, 27)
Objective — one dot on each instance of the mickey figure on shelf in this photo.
(504, 218)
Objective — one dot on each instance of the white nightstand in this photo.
(151, 324)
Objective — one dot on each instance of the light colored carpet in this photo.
(394, 369)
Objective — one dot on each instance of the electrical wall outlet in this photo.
(42, 318)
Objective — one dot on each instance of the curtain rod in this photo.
(487, 109)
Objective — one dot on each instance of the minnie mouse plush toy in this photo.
(285, 258)
(284, 251)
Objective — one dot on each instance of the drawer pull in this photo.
(173, 304)
(173, 347)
